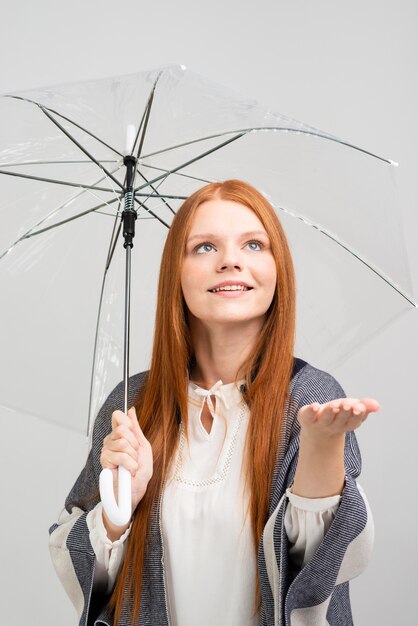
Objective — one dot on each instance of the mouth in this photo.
(230, 288)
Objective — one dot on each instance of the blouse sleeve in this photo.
(72, 536)
(109, 555)
(306, 522)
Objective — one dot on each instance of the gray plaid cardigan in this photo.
(317, 596)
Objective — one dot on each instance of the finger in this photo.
(123, 425)
(371, 405)
(113, 459)
(354, 421)
(124, 433)
(352, 414)
(358, 409)
(105, 462)
(341, 404)
(118, 418)
(309, 409)
(306, 414)
(329, 411)
(362, 408)
(347, 404)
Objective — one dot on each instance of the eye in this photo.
(199, 249)
(256, 243)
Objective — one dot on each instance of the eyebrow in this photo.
(251, 233)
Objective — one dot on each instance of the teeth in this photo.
(230, 288)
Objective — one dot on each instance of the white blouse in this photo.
(209, 558)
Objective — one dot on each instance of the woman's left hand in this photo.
(333, 419)
(320, 470)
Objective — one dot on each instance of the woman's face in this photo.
(228, 247)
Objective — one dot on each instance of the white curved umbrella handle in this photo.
(118, 512)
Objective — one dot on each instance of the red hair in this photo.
(267, 371)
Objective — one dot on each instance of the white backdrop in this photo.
(346, 67)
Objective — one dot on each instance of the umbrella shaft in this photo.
(127, 326)
(129, 216)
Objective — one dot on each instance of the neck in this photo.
(220, 351)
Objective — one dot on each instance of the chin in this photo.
(235, 319)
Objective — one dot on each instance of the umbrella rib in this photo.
(113, 242)
(94, 209)
(30, 234)
(74, 217)
(112, 245)
(139, 130)
(350, 250)
(142, 204)
(78, 195)
(42, 418)
(144, 124)
(69, 219)
(67, 119)
(141, 217)
(79, 146)
(69, 162)
(313, 131)
(114, 239)
(162, 196)
(385, 278)
(194, 160)
(246, 131)
(39, 232)
(155, 190)
(145, 118)
(161, 169)
(56, 182)
(191, 142)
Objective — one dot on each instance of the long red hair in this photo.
(163, 398)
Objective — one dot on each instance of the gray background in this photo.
(346, 67)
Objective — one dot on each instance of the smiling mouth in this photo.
(231, 288)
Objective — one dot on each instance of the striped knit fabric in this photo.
(317, 596)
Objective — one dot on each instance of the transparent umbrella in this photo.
(63, 181)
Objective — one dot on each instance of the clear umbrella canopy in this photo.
(61, 254)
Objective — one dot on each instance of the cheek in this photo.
(189, 280)
(269, 273)
(193, 272)
(271, 282)
(184, 287)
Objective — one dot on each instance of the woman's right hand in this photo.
(126, 445)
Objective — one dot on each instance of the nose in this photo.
(230, 258)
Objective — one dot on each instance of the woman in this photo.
(243, 458)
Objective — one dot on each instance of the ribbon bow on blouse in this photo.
(215, 390)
